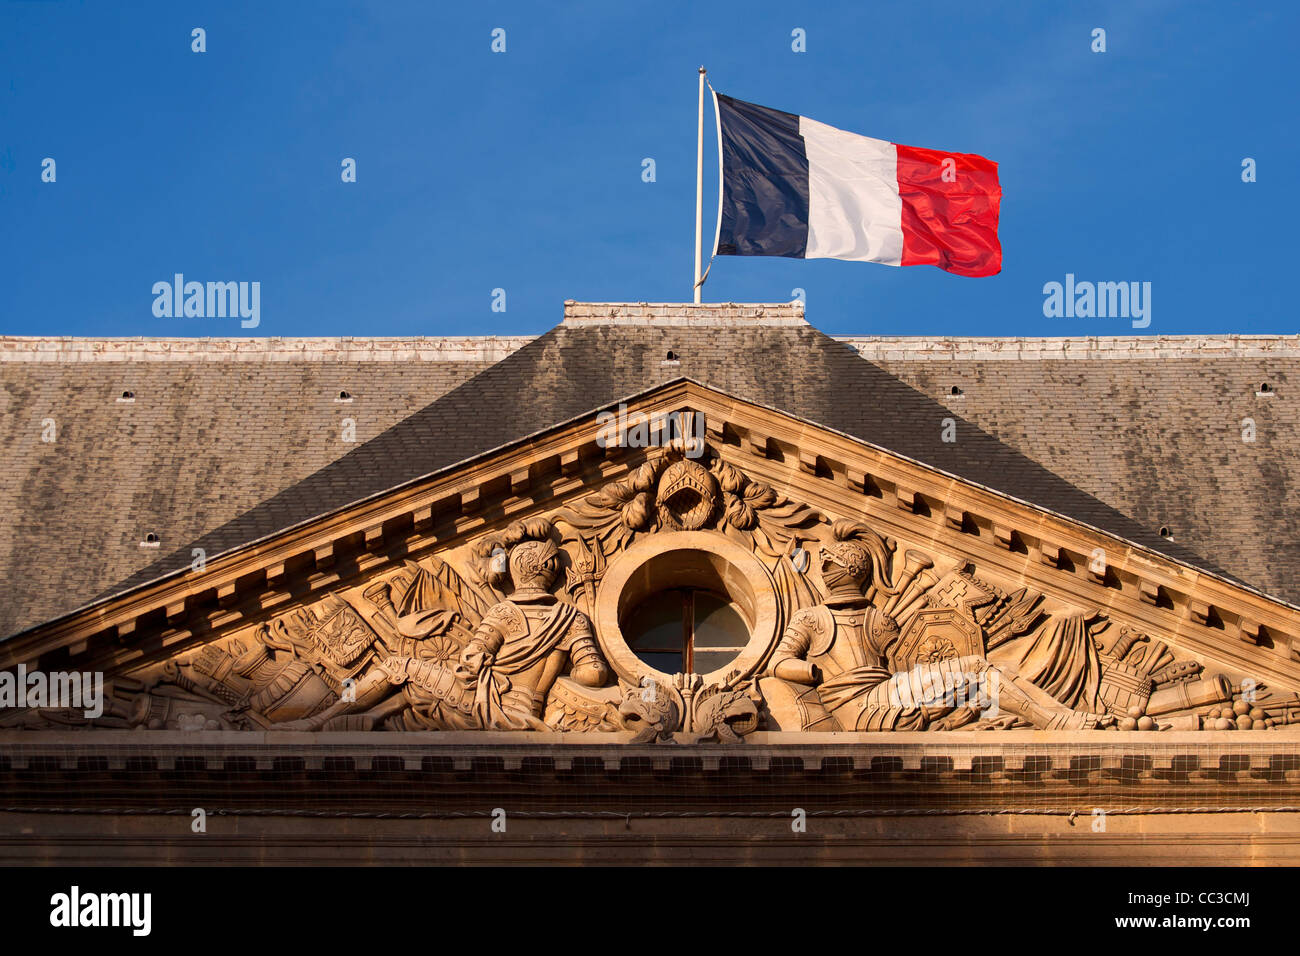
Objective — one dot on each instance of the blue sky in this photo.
(522, 170)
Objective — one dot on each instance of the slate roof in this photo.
(215, 428)
(1158, 438)
(218, 454)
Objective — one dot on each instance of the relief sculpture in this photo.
(833, 670)
(496, 677)
(500, 633)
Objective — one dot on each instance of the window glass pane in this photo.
(718, 624)
(655, 631)
(656, 623)
(706, 661)
(668, 663)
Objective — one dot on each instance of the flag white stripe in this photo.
(854, 210)
(717, 117)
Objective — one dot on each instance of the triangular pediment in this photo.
(402, 598)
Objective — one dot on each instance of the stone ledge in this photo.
(494, 348)
(1149, 347)
(1205, 839)
(684, 314)
(1034, 752)
(452, 348)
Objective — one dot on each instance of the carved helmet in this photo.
(528, 563)
(531, 547)
(852, 553)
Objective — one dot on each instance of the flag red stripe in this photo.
(952, 225)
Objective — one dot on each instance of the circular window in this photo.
(686, 631)
(685, 602)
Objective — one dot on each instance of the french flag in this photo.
(794, 187)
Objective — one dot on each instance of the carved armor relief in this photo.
(844, 628)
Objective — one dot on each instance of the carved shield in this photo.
(342, 636)
(937, 634)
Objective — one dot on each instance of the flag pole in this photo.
(699, 186)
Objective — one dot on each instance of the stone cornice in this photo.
(1270, 757)
(731, 314)
(447, 348)
(1050, 552)
(1008, 348)
(493, 348)
(1242, 629)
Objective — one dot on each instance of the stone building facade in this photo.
(667, 582)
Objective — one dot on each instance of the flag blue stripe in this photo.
(765, 182)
